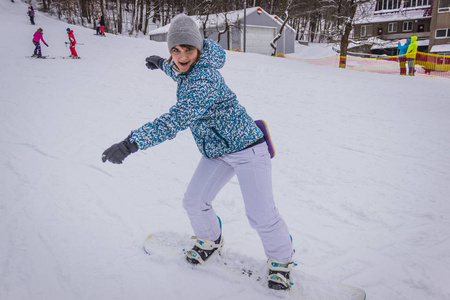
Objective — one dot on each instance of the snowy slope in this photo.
(361, 173)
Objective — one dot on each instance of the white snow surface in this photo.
(361, 174)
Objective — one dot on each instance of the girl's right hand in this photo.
(154, 62)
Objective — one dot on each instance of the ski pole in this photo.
(77, 43)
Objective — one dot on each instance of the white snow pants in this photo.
(254, 172)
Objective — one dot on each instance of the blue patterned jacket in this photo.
(206, 105)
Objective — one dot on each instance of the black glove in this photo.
(117, 152)
(154, 62)
(46, 44)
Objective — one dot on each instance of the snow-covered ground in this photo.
(313, 51)
(361, 174)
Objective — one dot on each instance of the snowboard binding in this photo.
(203, 250)
(279, 274)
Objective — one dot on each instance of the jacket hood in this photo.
(413, 39)
(213, 55)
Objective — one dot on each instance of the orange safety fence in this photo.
(424, 64)
(326, 61)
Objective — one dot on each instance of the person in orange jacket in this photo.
(72, 43)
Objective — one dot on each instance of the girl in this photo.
(38, 36)
(227, 138)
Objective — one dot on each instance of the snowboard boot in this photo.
(203, 250)
(279, 274)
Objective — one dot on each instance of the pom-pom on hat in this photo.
(184, 31)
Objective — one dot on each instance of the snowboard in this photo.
(168, 248)
(265, 130)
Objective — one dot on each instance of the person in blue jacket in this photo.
(401, 55)
(230, 143)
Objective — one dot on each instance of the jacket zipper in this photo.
(204, 149)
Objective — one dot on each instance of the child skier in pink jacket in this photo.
(38, 36)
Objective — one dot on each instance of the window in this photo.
(366, 30)
(407, 26)
(415, 3)
(389, 4)
(392, 27)
(442, 33)
(444, 6)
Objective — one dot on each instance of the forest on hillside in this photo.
(313, 20)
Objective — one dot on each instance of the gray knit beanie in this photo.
(184, 31)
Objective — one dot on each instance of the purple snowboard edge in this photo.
(265, 130)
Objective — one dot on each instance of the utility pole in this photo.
(245, 24)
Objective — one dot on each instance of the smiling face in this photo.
(184, 57)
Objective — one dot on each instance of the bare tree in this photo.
(273, 44)
(314, 20)
(119, 16)
(344, 17)
(134, 18)
(226, 27)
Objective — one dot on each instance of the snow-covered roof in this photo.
(278, 20)
(440, 48)
(378, 43)
(165, 29)
(384, 45)
(423, 42)
(393, 44)
(366, 14)
(219, 19)
(213, 20)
